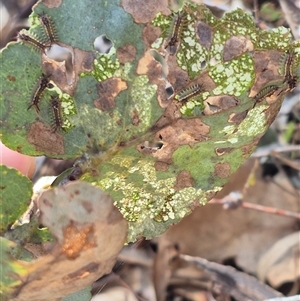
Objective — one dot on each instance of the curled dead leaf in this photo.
(90, 233)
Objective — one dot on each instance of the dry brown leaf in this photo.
(90, 233)
(281, 262)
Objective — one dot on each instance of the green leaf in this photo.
(83, 295)
(16, 191)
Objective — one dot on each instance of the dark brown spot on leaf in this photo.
(126, 54)
(135, 120)
(150, 34)
(205, 34)
(47, 202)
(183, 180)
(161, 166)
(82, 273)
(181, 132)
(107, 91)
(177, 77)
(222, 170)
(11, 78)
(45, 140)
(153, 69)
(235, 46)
(215, 104)
(150, 9)
(237, 118)
(266, 64)
(87, 206)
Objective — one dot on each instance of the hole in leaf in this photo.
(152, 147)
(102, 44)
(203, 65)
(60, 54)
(169, 90)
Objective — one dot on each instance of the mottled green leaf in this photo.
(15, 194)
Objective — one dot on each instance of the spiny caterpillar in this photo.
(55, 106)
(49, 28)
(188, 93)
(27, 39)
(264, 93)
(175, 30)
(289, 78)
(43, 84)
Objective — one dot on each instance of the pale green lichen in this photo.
(250, 127)
(233, 77)
(68, 110)
(105, 66)
(278, 38)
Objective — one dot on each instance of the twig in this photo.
(266, 151)
(234, 200)
(237, 284)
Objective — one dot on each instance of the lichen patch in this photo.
(126, 54)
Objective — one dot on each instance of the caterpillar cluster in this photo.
(44, 80)
(55, 103)
(50, 31)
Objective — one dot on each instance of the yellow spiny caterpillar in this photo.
(43, 84)
(49, 28)
(57, 115)
(27, 39)
(189, 92)
(175, 30)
